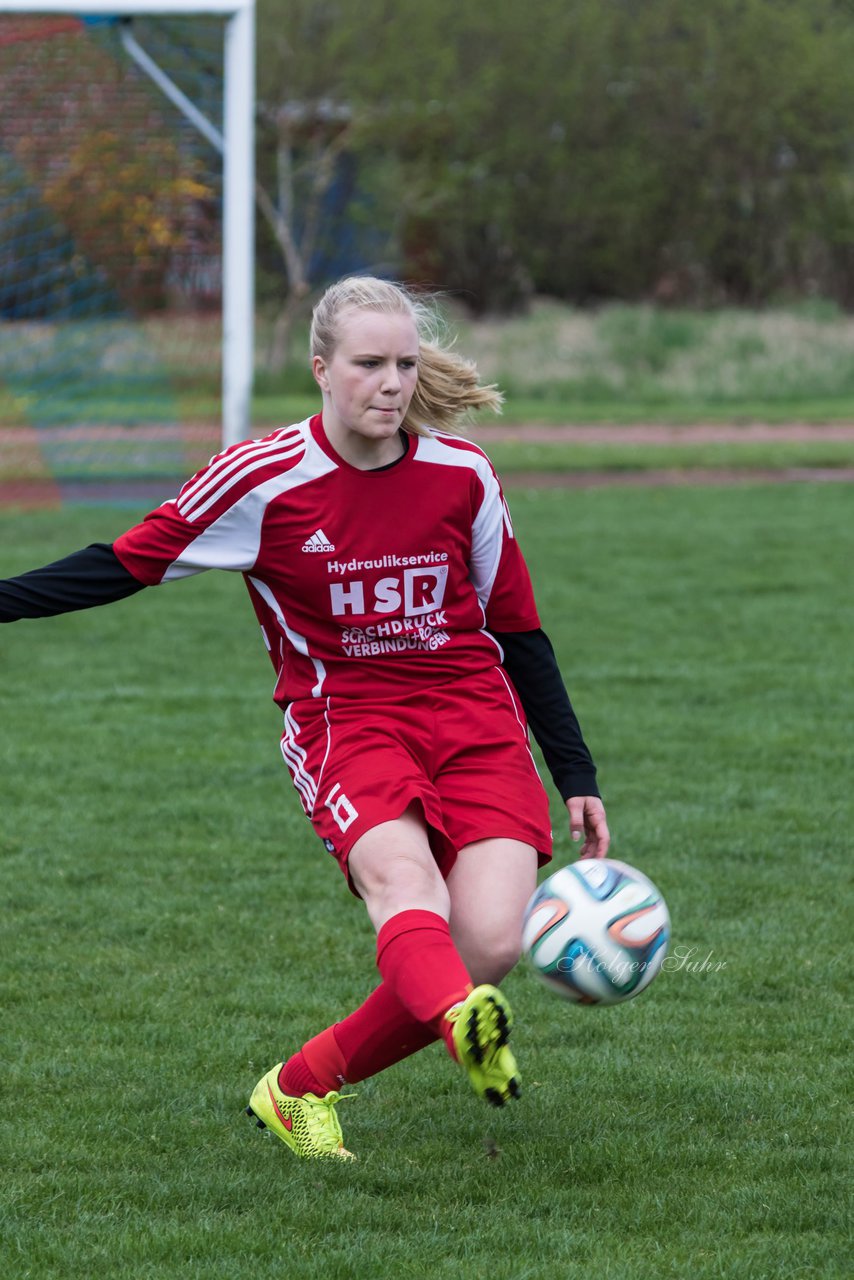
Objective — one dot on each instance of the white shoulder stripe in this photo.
(216, 488)
(215, 472)
(222, 461)
(233, 539)
(221, 467)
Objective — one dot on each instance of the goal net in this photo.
(111, 252)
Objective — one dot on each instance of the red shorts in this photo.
(460, 750)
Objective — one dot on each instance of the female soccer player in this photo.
(394, 602)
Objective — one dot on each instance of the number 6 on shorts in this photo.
(340, 807)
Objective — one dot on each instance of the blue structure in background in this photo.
(353, 241)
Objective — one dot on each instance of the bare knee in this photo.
(394, 874)
(397, 875)
(490, 957)
(490, 883)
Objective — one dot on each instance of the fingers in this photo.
(598, 836)
(587, 818)
(575, 805)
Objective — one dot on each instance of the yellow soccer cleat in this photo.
(308, 1125)
(482, 1025)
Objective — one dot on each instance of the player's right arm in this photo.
(214, 523)
(86, 578)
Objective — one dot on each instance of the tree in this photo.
(586, 148)
(107, 171)
(311, 126)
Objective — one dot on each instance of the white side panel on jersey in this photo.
(489, 523)
(299, 642)
(233, 541)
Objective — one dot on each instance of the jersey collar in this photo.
(375, 472)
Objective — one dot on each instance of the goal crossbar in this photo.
(121, 8)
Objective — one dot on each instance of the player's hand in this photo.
(587, 818)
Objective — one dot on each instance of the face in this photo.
(368, 384)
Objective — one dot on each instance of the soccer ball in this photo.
(597, 931)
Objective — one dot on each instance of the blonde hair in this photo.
(448, 387)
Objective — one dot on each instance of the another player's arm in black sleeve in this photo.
(82, 580)
(530, 662)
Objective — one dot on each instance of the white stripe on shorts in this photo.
(513, 696)
(295, 757)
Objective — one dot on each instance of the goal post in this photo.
(232, 135)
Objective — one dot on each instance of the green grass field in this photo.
(171, 927)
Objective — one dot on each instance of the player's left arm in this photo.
(503, 584)
(530, 661)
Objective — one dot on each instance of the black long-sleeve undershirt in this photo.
(530, 662)
(96, 576)
(82, 580)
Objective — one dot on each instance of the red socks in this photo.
(318, 1067)
(421, 965)
(423, 977)
(377, 1035)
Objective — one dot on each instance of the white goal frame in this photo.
(238, 146)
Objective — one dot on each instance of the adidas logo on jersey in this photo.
(318, 542)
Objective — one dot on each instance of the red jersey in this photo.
(365, 583)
